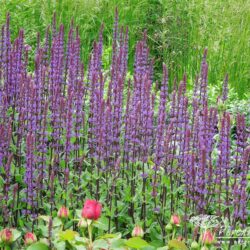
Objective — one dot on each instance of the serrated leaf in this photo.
(117, 243)
(150, 162)
(44, 218)
(79, 213)
(38, 246)
(111, 236)
(60, 245)
(100, 244)
(101, 224)
(68, 235)
(1, 181)
(176, 244)
(16, 234)
(82, 240)
(57, 222)
(136, 242)
(44, 230)
(149, 248)
(80, 247)
(236, 247)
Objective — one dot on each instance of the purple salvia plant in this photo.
(160, 130)
(243, 187)
(50, 117)
(241, 168)
(222, 168)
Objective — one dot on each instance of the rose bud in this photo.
(29, 238)
(82, 223)
(6, 236)
(137, 231)
(180, 238)
(204, 248)
(175, 220)
(195, 245)
(63, 212)
(169, 227)
(92, 210)
(207, 238)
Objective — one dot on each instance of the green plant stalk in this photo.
(174, 231)
(8, 247)
(90, 236)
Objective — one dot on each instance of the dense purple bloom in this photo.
(223, 163)
(66, 125)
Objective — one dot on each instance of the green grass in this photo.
(178, 31)
(221, 26)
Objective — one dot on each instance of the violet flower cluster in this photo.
(63, 124)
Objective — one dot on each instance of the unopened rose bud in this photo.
(195, 245)
(137, 232)
(63, 212)
(82, 223)
(29, 238)
(204, 248)
(180, 238)
(169, 227)
(207, 238)
(175, 220)
(6, 236)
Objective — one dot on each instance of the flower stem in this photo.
(90, 236)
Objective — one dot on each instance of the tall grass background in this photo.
(178, 31)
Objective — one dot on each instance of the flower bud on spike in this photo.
(207, 238)
(175, 220)
(195, 245)
(169, 227)
(6, 236)
(63, 212)
(82, 223)
(137, 231)
(29, 238)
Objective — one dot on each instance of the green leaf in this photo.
(82, 240)
(117, 244)
(111, 236)
(68, 235)
(236, 247)
(100, 244)
(101, 224)
(136, 242)
(1, 181)
(61, 245)
(38, 246)
(44, 230)
(177, 245)
(44, 218)
(57, 222)
(149, 247)
(80, 247)
(79, 213)
(150, 162)
(16, 234)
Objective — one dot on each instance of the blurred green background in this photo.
(178, 31)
